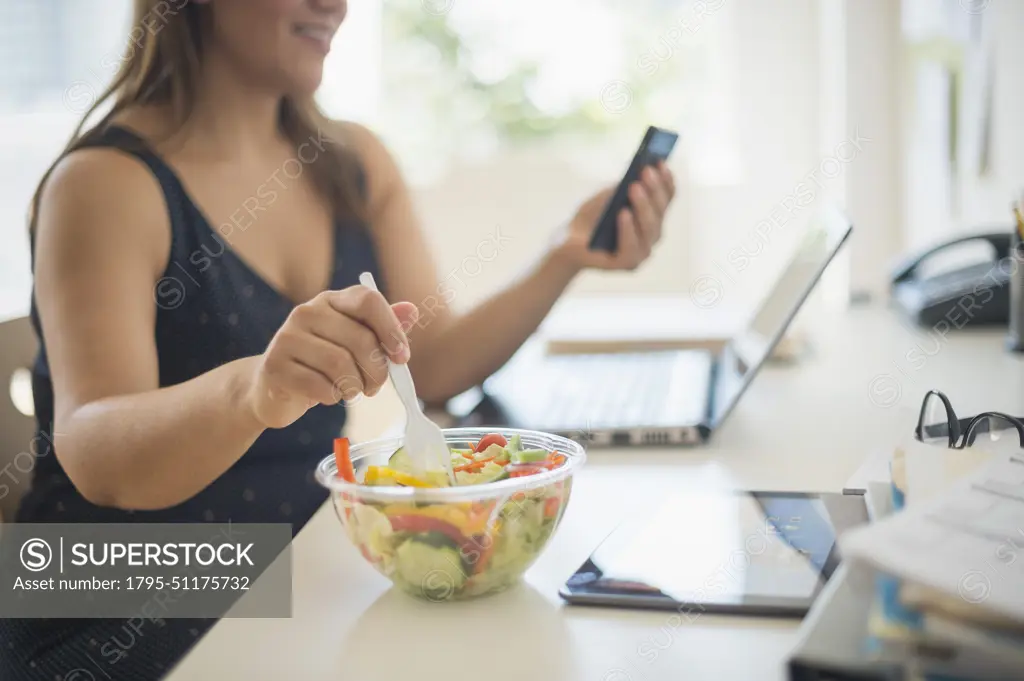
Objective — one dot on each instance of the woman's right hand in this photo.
(329, 349)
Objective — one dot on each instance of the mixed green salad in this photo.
(443, 551)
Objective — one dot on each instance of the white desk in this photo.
(801, 427)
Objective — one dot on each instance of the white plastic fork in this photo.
(424, 442)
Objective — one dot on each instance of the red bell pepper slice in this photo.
(424, 524)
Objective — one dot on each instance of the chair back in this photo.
(18, 347)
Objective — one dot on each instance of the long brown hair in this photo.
(161, 66)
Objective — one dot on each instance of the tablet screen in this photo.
(730, 549)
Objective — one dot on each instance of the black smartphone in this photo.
(656, 146)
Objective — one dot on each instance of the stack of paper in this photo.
(934, 589)
(949, 595)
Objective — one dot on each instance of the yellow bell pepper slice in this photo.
(442, 512)
(377, 473)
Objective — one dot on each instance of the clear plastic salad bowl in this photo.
(452, 543)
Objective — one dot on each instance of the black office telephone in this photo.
(974, 295)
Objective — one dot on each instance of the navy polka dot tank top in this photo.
(211, 309)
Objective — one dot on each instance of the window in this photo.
(56, 55)
(465, 81)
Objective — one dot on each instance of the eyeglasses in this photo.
(938, 420)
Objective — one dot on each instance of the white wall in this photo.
(525, 195)
(778, 125)
(873, 189)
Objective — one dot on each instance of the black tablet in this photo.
(755, 553)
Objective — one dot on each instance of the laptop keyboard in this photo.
(618, 390)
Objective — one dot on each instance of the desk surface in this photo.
(806, 426)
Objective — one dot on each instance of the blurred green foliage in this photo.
(505, 105)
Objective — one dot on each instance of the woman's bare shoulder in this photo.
(366, 143)
(105, 179)
(382, 172)
(104, 195)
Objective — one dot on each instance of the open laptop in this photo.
(669, 397)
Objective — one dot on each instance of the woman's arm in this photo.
(454, 352)
(102, 244)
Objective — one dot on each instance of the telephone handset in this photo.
(974, 295)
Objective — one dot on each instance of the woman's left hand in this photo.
(639, 224)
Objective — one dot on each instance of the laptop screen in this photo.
(745, 352)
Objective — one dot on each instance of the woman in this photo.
(196, 258)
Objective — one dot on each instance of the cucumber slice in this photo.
(400, 461)
(529, 456)
(515, 444)
(429, 571)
